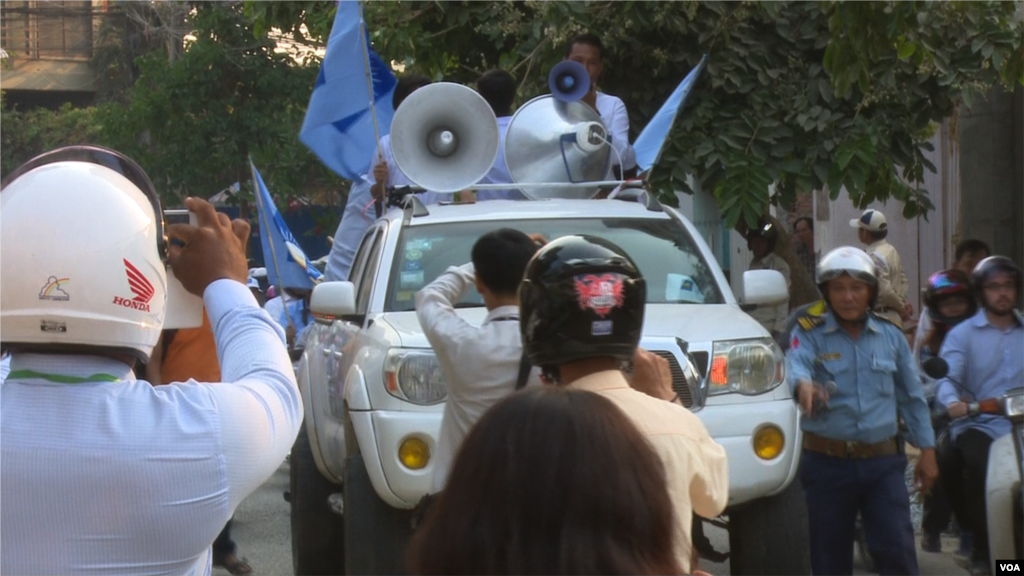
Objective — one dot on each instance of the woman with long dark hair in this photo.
(551, 481)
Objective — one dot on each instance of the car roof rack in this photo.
(634, 191)
(413, 207)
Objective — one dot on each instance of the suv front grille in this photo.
(678, 377)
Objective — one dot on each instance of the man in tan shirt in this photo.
(892, 282)
(582, 309)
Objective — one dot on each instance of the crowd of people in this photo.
(498, 89)
(127, 448)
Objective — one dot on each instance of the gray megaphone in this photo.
(548, 140)
(569, 81)
(445, 137)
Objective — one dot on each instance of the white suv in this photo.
(373, 390)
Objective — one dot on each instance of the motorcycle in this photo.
(1004, 490)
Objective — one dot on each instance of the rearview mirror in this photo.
(936, 368)
(764, 287)
(332, 300)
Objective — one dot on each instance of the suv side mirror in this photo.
(332, 300)
(764, 287)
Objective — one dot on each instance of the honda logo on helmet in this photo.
(599, 292)
(139, 286)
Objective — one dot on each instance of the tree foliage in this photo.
(229, 96)
(798, 96)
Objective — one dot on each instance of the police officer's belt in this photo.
(841, 449)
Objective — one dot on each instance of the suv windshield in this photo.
(668, 259)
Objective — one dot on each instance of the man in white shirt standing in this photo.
(892, 304)
(588, 51)
(498, 88)
(101, 473)
(481, 364)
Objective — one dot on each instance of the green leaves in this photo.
(802, 95)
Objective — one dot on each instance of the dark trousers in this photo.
(837, 489)
(938, 510)
(224, 545)
(963, 466)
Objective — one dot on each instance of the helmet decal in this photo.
(599, 292)
(54, 289)
(140, 286)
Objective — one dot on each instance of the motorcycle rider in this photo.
(582, 310)
(948, 301)
(852, 461)
(985, 361)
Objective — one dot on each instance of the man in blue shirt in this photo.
(851, 370)
(985, 360)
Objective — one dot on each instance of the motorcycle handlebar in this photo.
(940, 416)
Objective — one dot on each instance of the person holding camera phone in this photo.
(100, 472)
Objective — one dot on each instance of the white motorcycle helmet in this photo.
(83, 254)
(852, 261)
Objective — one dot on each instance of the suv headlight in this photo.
(748, 367)
(415, 376)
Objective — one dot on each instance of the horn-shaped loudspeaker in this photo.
(552, 141)
(569, 81)
(444, 137)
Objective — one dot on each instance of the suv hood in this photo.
(691, 322)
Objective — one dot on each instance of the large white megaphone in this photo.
(549, 140)
(445, 137)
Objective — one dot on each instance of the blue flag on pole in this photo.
(652, 139)
(339, 123)
(287, 265)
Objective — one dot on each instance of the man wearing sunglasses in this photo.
(985, 361)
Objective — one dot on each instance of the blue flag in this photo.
(652, 139)
(339, 123)
(287, 265)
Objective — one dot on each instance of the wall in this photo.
(992, 172)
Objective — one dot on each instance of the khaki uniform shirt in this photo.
(773, 318)
(695, 465)
(892, 282)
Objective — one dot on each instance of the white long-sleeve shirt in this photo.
(480, 363)
(616, 120)
(115, 476)
(359, 214)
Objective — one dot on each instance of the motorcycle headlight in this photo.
(415, 376)
(748, 367)
(1013, 405)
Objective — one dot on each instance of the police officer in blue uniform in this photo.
(851, 370)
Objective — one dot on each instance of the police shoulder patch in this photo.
(813, 317)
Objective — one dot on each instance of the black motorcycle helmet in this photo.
(988, 268)
(582, 297)
(765, 229)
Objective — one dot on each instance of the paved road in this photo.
(263, 534)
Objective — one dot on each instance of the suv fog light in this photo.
(414, 453)
(769, 442)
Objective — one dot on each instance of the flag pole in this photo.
(265, 226)
(378, 202)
